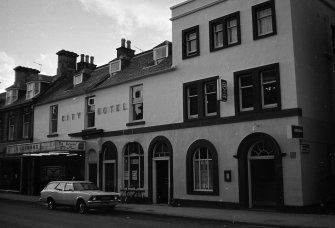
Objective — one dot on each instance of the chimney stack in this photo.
(125, 52)
(67, 62)
(82, 57)
(128, 44)
(22, 74)
(86, 62)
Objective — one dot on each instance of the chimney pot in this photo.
(92, 60)
(86, 58)
(123, 42)
(128, 44)
(82, 56)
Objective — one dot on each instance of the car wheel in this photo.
(82, 208)
(51, 204)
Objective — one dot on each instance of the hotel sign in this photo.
(57, 145)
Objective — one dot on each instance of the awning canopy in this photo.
(57, 146)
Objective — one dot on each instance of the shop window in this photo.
(202, 169)
(264, 20)
(90, 109)
(11, 128)
(11, 96)
(26, 125)
(33, 89)
(225, 31)
(136, 103)
(53, 119)
(200, 99)
(191, 47)
(257, 89)
(133, 166)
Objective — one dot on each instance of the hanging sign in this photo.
(222, 90)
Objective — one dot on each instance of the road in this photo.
(16, 214)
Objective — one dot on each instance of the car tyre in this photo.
(51, 204)
(82, 208)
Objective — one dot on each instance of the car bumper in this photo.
(98, 203)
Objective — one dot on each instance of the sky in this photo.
(33, 31)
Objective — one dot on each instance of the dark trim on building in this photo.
(150, 171)
(268, 4)
(91, 133)
(201, 123)
(135, 123)
(189, 168)
(52, 135)
(185, 32)
(205, 204)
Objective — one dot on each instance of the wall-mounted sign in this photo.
(222, 90)
(112, 108)
(71, 116)
(305, 148)
(58, 145)
(295, 132)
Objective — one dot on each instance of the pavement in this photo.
(252, 217)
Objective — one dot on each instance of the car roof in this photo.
(70, 182)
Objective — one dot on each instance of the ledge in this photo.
(135, 123)
(52, 135)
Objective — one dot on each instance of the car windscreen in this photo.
(84, 186)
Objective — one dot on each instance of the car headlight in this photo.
(93, 198)
(116, 197)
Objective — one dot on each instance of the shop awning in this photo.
(56, 147)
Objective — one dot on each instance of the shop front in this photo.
(43, 162)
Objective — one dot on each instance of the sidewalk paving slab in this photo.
(251, 217)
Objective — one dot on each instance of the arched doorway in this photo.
(160, 162)
(133, 166)
(109, 171)
(260, 172)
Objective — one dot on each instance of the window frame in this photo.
(190, 177)
(11, 96)
(257, 91)
(185, 33)
(223, 21)
(77, 79)
(262, 6)
(25, 128)
(158, 60)
(90, 112)
(110, 67)
(31, 92)
(201, 98)
(53, 121)
(135, 101)
(11, 128)
(127, 166)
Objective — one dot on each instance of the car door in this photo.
(69, 196)
(58, 194)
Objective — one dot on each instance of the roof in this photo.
(141, 65)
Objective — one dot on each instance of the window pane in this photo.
(192, 90)
(138, 111)
(218, 35)
(269, 89)
(245, 81)
(192, 100)
(247, 98)
(210, 165)
(210, 98)
(232, 31)
(196, 175)
(204, 174)
(264, 21)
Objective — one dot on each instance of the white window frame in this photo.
(33, 89)
(189, 42)
(216, 35)
(240, 93)
(206, 99)
(11, 96)
(90, 110)
(264, 106)
(111, 70)
(77, 79)
(232, 29)
(135, 101)
(260, 19)
(53, 120)
(158, 58)
(189, 116)
(199, 160)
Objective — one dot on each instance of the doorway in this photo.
(92, 173)
(109, 176)
(162, 181)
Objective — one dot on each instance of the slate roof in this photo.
(141, 65)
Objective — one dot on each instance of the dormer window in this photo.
(11, 96)
(33, 89)
(77, 79)
(160, 53)
(114, 67)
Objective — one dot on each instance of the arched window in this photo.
(202, 168)
(133, 166)
(161, 150)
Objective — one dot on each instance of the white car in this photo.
(80, 194)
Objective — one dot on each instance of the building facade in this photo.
(237, 112)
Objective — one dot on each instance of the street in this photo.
(22, 214)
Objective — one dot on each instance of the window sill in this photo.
(210, 193)
(52, 135)
(135, 123)
(258, 37)
(202, 118)
(225, 47)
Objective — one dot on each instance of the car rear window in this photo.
(51, 186)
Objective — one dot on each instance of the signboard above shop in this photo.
(58, 145)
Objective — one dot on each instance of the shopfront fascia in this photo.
(43, 162)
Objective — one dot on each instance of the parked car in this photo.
(81, 194)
